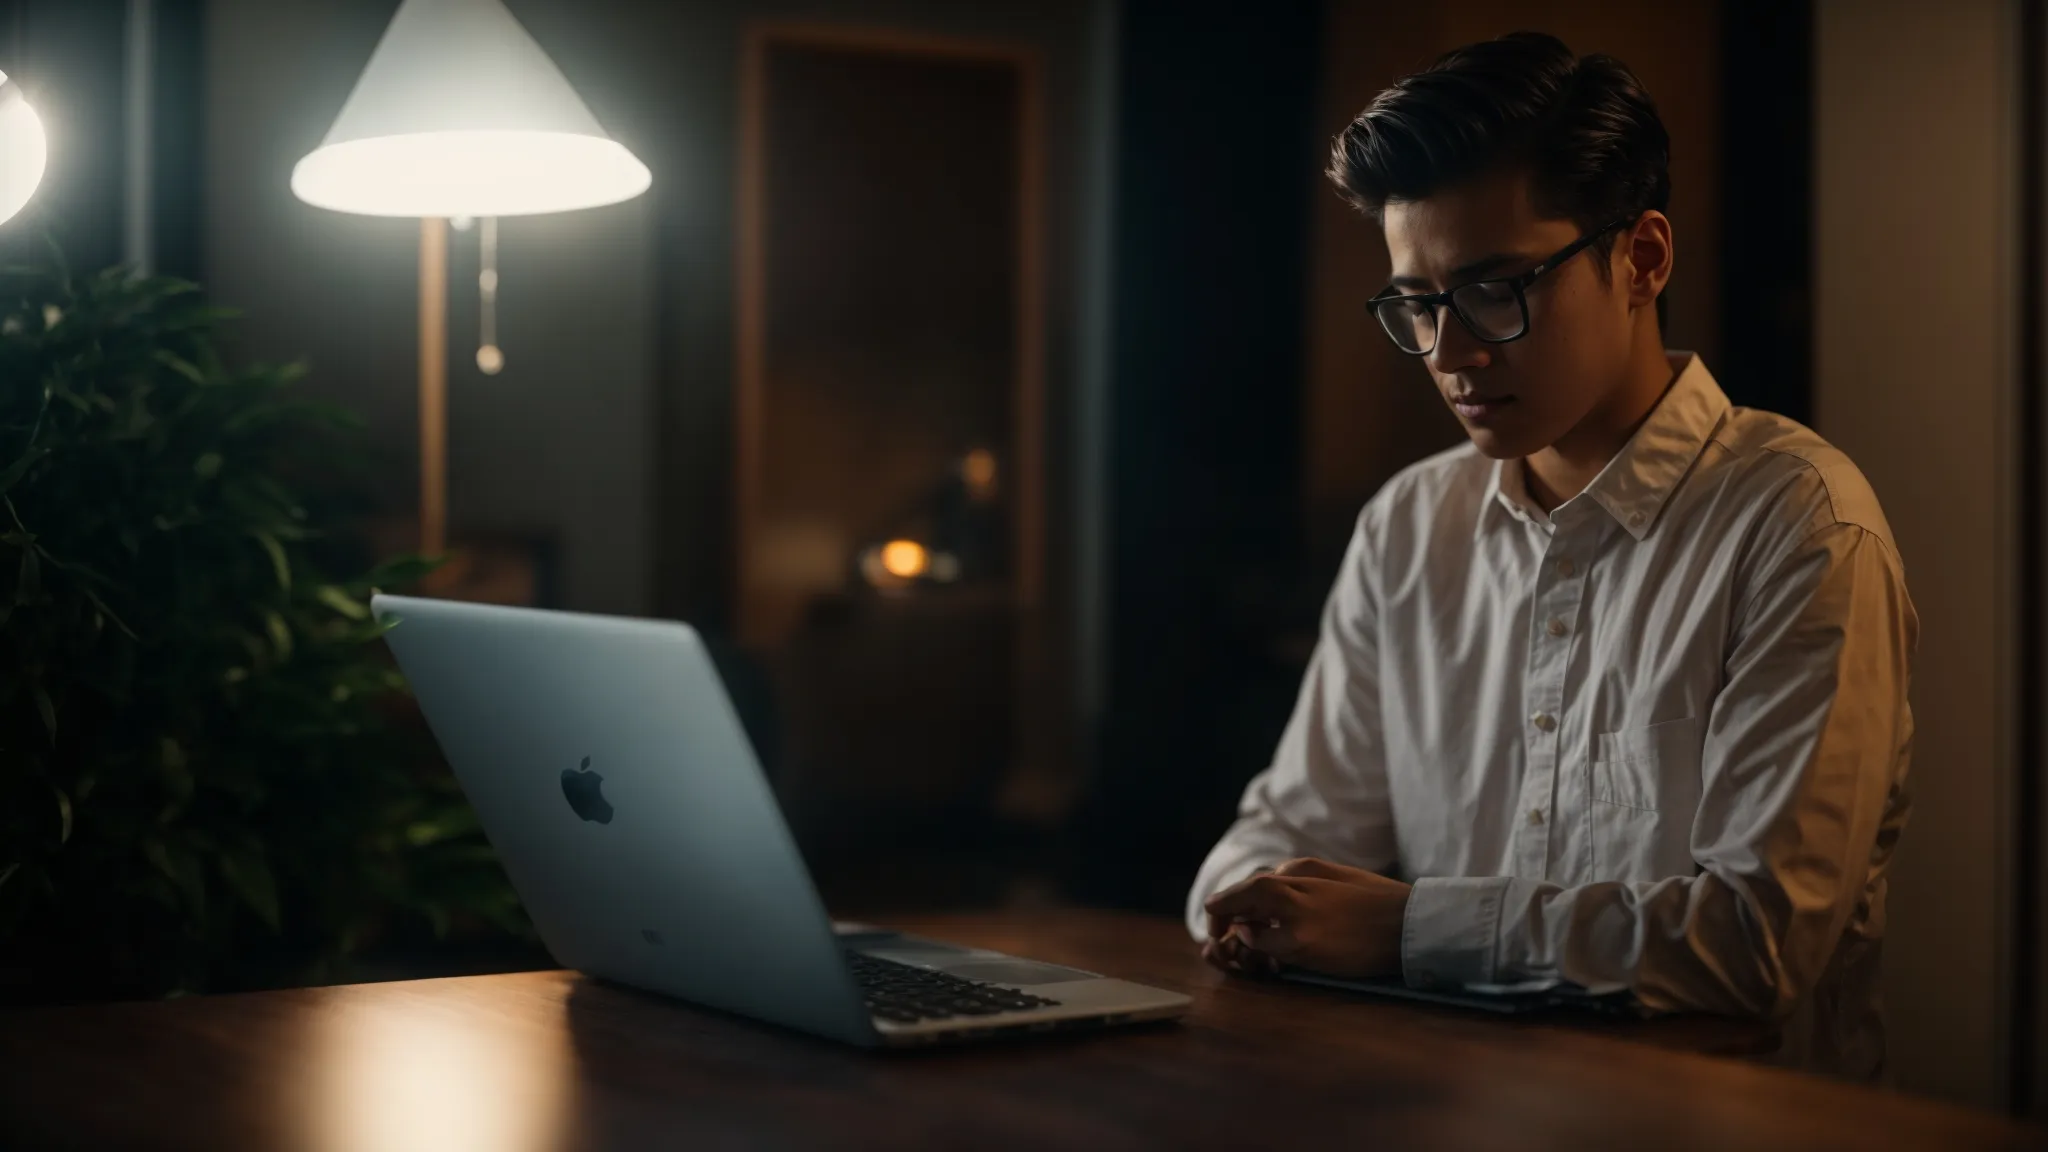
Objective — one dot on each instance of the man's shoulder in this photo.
(1795, 475)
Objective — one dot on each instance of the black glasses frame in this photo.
(1436, 301)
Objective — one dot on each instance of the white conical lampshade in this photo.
(460, 113)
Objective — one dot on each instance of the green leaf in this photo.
(29, 582)
(177, 776)
(449, 825)
(22, 463)
(47, 709)
(181, 869)
(280, 634)
(398, 572)
(342, 602)
(249, 875)
(63, 815)
(180, 365)
(207, 466)
(109, 613)
(278, 562)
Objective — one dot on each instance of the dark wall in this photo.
(1767, 202)
(1217, 162)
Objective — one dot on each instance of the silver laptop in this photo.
(610, 772)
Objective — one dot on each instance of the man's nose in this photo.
(1456, 350)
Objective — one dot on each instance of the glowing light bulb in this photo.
(24, 150)
(905, 559)
(979, 468)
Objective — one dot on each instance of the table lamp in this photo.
(459, 113)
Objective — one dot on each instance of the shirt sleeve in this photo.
(1325, 793)
(1805, 744)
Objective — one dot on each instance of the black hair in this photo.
(1581, 126)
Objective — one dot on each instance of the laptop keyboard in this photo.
(907, 994)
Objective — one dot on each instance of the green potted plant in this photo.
(209, 773)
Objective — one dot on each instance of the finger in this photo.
(1233, 958)
(1311, 866)
(1259, 898)
(1219, 926)
(1246, 961)
(1261, 870)
(1228, 957)
(1273, 937)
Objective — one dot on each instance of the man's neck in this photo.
(1563, 470)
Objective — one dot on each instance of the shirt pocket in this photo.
(1644, 767)
(1644, 786)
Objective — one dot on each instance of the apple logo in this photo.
(584, 790)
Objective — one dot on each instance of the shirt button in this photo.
(1555, 627)
(1535, 815)
(1565, 567)
(1543, 720)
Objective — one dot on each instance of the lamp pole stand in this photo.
(433, 386)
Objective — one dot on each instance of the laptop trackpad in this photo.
(1013, 972)
(966, 963)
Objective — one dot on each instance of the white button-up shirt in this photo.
(1655, 740)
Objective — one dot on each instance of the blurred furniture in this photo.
(548, 1060)
(519, 569)
(891, 406)
(891, 284)
(897, 716)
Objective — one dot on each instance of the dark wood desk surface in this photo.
(548, 1060)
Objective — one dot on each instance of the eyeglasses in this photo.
(1495, 311)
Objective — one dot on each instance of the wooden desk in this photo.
(551, 1060)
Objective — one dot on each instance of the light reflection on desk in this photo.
(391, 1076)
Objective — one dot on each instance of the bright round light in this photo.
(481, 173)
(904, 559)
(24, 150)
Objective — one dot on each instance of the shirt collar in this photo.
(1507, 491)
(1635, 485)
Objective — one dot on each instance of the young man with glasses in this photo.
(1614, 695)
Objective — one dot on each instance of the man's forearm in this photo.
(1695, 943)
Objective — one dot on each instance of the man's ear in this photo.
(1647, 253)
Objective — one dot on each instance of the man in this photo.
(1616, 693)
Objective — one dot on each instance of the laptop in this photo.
(609, 770)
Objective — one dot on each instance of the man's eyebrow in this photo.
(1463, 272)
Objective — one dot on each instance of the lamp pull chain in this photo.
(489, 358)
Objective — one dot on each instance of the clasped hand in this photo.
(1311, 914)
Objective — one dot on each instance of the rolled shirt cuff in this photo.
(1451, 932)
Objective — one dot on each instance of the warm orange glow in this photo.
(979, 470)
(905, 559)
(387, 1072)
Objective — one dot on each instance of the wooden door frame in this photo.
(1027, 434)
